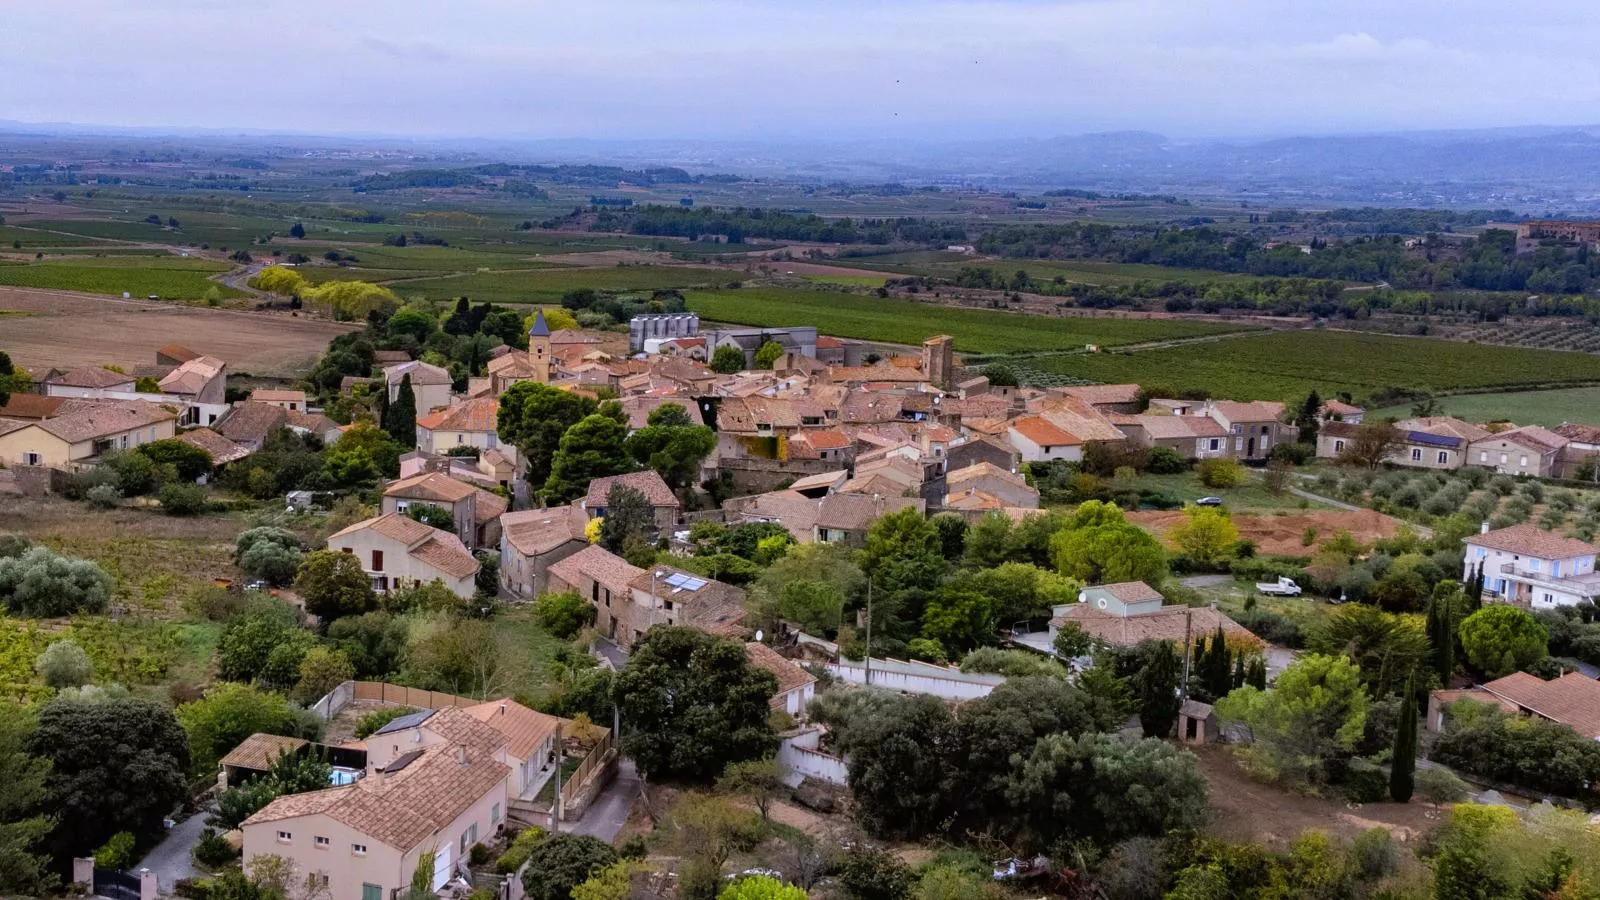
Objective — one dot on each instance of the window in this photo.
(1483, 456)
(1416, 454)
(402, 505)
(358, 849)
(594, 591)
(1549, 599)
(285, 837)
(320, 842)
(1502, 459)
(377, 560)
(1444, 457)
(347, 550)
(124, 441)
(1338, 446)
(32, 459)
(1216, 444)
(667, 604)
(494, 814)
(1522, 462)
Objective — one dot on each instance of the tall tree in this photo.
(333, 584)
(116, 765)
(1156, 687)
(1316, 710)
(24, 820)
(533, 417)
(400, 419)
(628, 518)
(1386, 647)
(1402, 774)
(1372, 443)
(691, 704)
(1217, 672)
(673, 451)
(592, 448)
(1501, 639)
(1309, 419)
(727, 360)
(1441, 629)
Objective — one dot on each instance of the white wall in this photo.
(798, 756)
(916, 678)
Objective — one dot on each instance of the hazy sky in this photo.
(819, 68)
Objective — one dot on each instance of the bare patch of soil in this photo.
(1284, 535)
(65, 330)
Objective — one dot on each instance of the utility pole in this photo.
(869, 631)
(1188, 623)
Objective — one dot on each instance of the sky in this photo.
(753, 69)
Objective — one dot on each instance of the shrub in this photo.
(43, 583)
(270, 562)
(1220, 472)
(1294, 454)
(103, 496)
(563, 615)
(1271, 627)
(1440, 785)
(481, 854)
(1164, 461)
(183, 499)
(1365, 782)
(375, 720)
(116, 853)
(517, 853)
(213, 851)
(64, 664)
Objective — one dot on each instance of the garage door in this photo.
(441, 866)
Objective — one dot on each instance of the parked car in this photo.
(1208, 501)
(1283, 587)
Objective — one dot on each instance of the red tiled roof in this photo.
(1529, 539)
(647, 483)
(1573, 699)
(1042, 432)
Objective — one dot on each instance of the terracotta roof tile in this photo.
(1529, 539)
(1166, 624)
(788, 672)
(647, 483)
(90, 377)
(221, 450)
(270, 396)
(536, 531)
(1042, 432)
(1573, 699)
(478, 415)
(599, 564)
(523, 729)
(85, 420)
(250, 422)
(429, 486)
(259, 751)
(446, 553)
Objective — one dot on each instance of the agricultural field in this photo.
(171, 278)
(1428, 498)
(905, 322)
(49, 330)
(1287, 365)
(34, 238)
(1547, 408)
(946, 264)
(534, 285)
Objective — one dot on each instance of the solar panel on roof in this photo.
(401, 761)
(410, 720)
(682, 582)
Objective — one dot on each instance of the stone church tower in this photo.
(539, 349)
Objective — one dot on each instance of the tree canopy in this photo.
(1501, 639)
(533, 418)
(691, 704)
(43, 583)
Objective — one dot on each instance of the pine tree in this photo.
(401, 417)
(1402, 774)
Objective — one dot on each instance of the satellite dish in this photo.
(758, 635)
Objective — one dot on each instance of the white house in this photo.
(796, 686)
(1038, 440)
(1529, 566)
(398, 551)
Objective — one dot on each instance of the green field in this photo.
(1548, 408)
(547, 285)
(904, 322)
(946, 264)
(1287, 365)
(38, 238)
(170, 278)
(871, 281)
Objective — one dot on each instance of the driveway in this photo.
(170, 859)
(1200, 581)
(609, 812)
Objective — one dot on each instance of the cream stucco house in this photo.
(397, 551)
(81, 430)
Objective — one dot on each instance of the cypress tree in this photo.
(1218, 665)
(1442, 637)
(1402, 774)
(402, 415)
(1256, 677)
(1238, 671)
(1156, 686)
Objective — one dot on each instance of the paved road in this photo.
(170, 859)
(609, 812)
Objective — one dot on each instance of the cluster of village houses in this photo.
(824, 443)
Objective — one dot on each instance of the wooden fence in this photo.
(337, 699)
(598, 756)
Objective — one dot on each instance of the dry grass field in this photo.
(45, 329)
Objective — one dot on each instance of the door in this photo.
(371, 891)
(441, 866)
(1250, 449)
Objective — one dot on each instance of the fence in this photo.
(798, 756)
(333, 702)
(592, 766)
(916, 678)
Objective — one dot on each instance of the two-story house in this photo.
(604, 579)
(476, 511)
(1529, 450)
(1255, 427)
(430, 385)
(532, 540)
(664, 505)
(1528, 566)
(1191, 437)
(398, 551)
(470, 423)
(81, 430)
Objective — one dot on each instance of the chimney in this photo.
(502, 707)
(1484, 528)
(461, 754)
